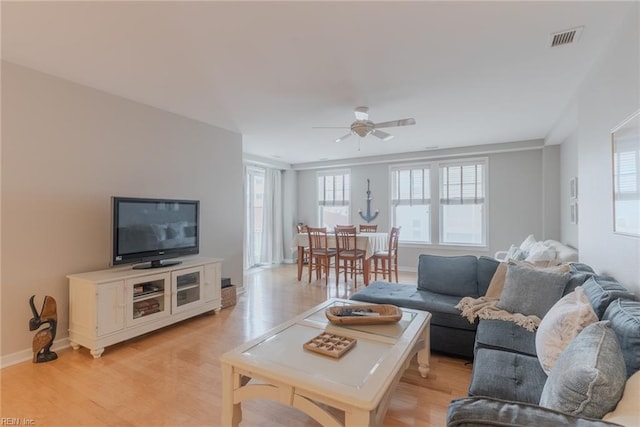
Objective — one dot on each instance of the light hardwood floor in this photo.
(172, 377)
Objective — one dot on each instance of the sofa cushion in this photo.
(497, 282)
(516, 253)
(509, 376)
(625, 322)
(441, 307)
(531, 291)
(566, 319)
(541, 253)
(483, 411)
(455, 275)
(589, 376)
(505, 335)
(527, 243)
(580, 273)
(486, 269)
(602, 290)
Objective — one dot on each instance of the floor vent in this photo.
(565, 37)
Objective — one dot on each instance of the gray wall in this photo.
(609, 94)
(515, 199)
(66, 149)
(569, 169)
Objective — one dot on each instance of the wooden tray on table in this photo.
(363, 314)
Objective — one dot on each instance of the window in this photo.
(334, 192)
(626, 177)
(456, 217)
(411, 203)
(462, 208)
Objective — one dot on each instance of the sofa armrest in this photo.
(485, 411)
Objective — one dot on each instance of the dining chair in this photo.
(349, 258)
(389, 258)
(368, 228)
(320, 255)
(302, 229)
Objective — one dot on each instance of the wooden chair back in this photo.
(345, 238)
(368, 228)
(317, 238)
(394, 237)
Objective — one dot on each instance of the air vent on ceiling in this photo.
(569, 36)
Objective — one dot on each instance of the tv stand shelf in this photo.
(114, 305)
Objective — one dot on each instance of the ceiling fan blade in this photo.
(342, 138)
(393, 123)
(361, 113)
(382, 135)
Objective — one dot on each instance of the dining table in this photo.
(369, 242)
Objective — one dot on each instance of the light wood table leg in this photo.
(300, 261)
(359, 419)
(425, 353)
(366, 270)
(231, 413)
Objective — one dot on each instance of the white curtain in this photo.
(272, 251)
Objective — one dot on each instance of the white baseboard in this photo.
(25, 355)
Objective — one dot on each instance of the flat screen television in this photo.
(150, 231)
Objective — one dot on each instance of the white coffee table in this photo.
(359, 383)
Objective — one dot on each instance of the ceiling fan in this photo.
(364, 127)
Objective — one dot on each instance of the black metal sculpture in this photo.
(44, 337)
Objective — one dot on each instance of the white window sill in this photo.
(445, 247)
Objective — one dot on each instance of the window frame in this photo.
(436, 207)
(346, 195)
(403, 202)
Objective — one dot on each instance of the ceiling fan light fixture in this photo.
(364, 127)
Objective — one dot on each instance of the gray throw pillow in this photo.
(589, 376)
(531, 291)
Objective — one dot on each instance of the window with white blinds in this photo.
(462, 184)
(411, 202)
(462, 208)
(334, 194)
(626, 174)
(410, 186)
(458, 211)
(333, 189)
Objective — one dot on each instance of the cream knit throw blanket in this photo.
(486, 308)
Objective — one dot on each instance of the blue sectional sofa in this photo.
(442, 283)
(507, 379)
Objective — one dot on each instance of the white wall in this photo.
(66, 149)
(516, 194)
(609, 94)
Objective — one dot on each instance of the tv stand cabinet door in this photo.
(110, 307)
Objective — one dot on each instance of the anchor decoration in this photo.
(43, 339)
(368, 217)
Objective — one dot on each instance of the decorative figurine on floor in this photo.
(44, 337)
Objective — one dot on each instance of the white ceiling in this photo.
(468, 72)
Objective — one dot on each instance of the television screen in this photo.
(154, 229)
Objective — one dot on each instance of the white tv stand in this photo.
(114, 305)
